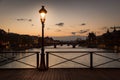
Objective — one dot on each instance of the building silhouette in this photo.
(92, 40)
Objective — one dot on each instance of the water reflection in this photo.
(66, 64)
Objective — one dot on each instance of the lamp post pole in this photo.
(42, 11)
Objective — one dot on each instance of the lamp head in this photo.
(43, 12)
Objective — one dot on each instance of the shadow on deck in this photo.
(60, 74)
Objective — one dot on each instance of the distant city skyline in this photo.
(64, 17)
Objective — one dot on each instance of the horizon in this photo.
(63, 38)
(62, 19)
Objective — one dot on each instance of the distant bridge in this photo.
(68, 44)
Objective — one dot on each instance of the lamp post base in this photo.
(42, 68)
(42, 63)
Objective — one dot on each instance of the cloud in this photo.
(24, 19)
(60, 24)
(80, 32)
(73, 33)
(21, 19)
(84, 31)
(32, 25)
(83, 24)
(30, 20)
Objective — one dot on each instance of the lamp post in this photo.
(42, 12)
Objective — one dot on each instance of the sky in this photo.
(64, 17)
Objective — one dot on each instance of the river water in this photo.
(57, 60)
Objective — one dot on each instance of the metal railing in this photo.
(91, 58)
(91, 55)
(11, 56)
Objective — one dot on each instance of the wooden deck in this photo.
(60, 74)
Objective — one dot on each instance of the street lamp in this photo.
(42, 12)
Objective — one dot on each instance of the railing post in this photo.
(37, 60)
(91, 60)
(47, 60)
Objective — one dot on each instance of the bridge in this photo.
(73, 44)
(90, 72)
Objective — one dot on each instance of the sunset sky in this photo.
(64, 17)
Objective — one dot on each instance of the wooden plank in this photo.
(60, 74)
